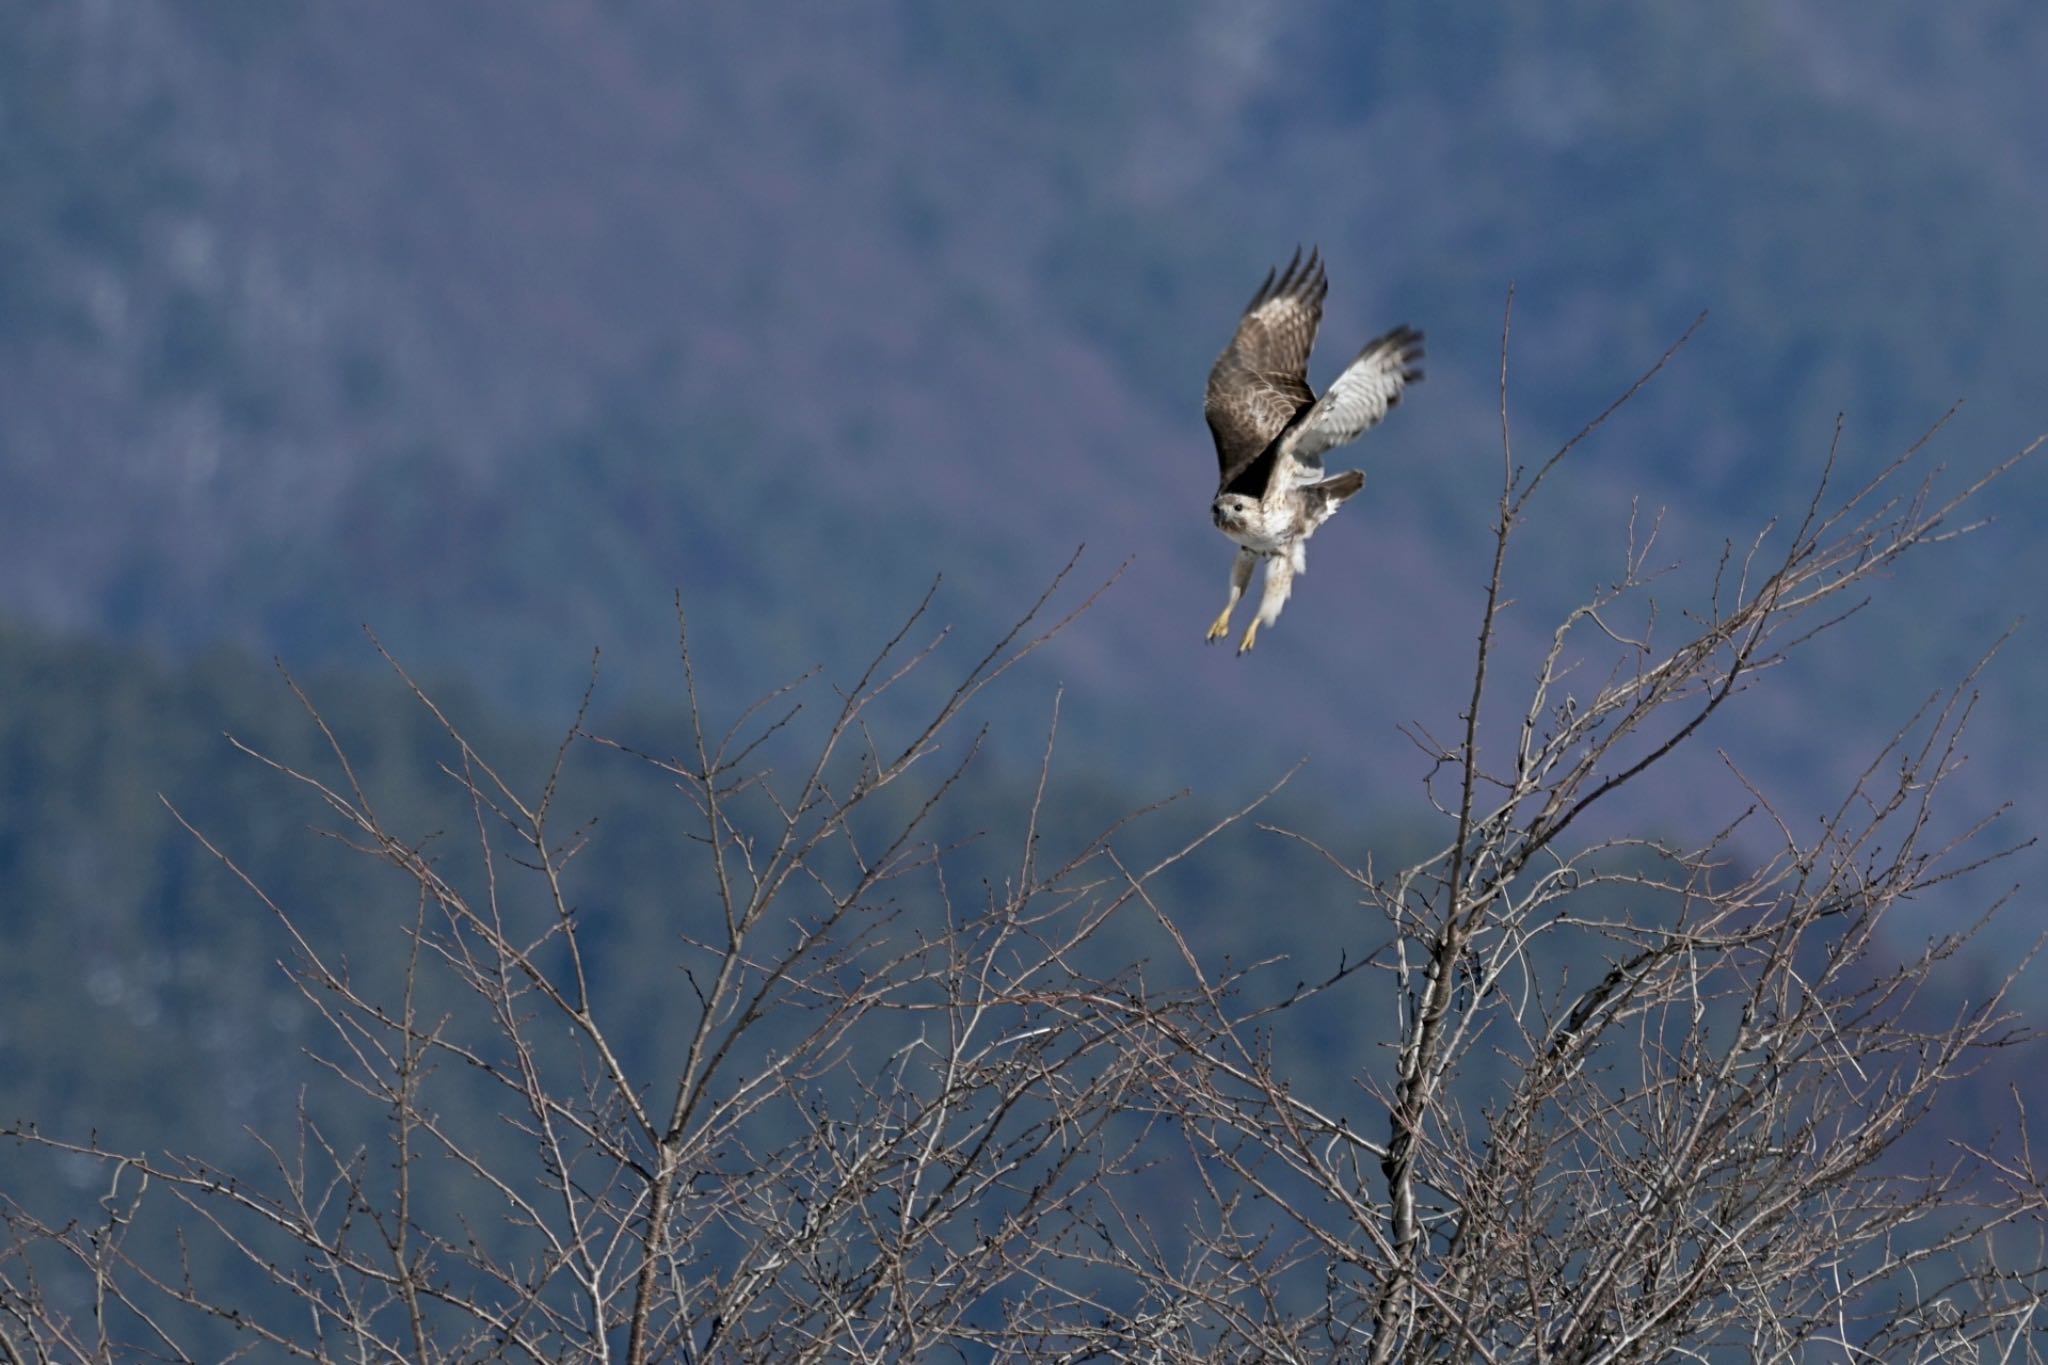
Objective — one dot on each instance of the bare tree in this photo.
(1640, 1097)
(889, 1111)
(1686, 1154)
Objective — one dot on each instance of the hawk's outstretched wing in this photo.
(1260, 381)
(1360, 397)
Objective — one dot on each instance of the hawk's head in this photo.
(1237, 512)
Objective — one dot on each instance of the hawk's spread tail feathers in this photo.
(1321, 500)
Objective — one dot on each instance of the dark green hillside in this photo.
(148, 1005)
(146, 998)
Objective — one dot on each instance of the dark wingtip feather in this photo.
(1264, 291)
(1305, 279)
(1406, 344)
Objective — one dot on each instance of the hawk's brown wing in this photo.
(1261, 379)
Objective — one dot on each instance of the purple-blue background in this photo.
(493, 324)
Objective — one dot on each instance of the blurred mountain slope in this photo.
(495, 324)
(492, 325)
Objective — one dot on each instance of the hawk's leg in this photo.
(1280, 570)
(1240, 577)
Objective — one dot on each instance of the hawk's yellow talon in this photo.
(1220, 628)
(1251, 633)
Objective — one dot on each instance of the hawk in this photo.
(1271, 431)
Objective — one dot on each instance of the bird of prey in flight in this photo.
(1271, 431)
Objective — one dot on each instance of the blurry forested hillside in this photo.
(493, 325)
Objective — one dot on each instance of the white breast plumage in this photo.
(1270, 531)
